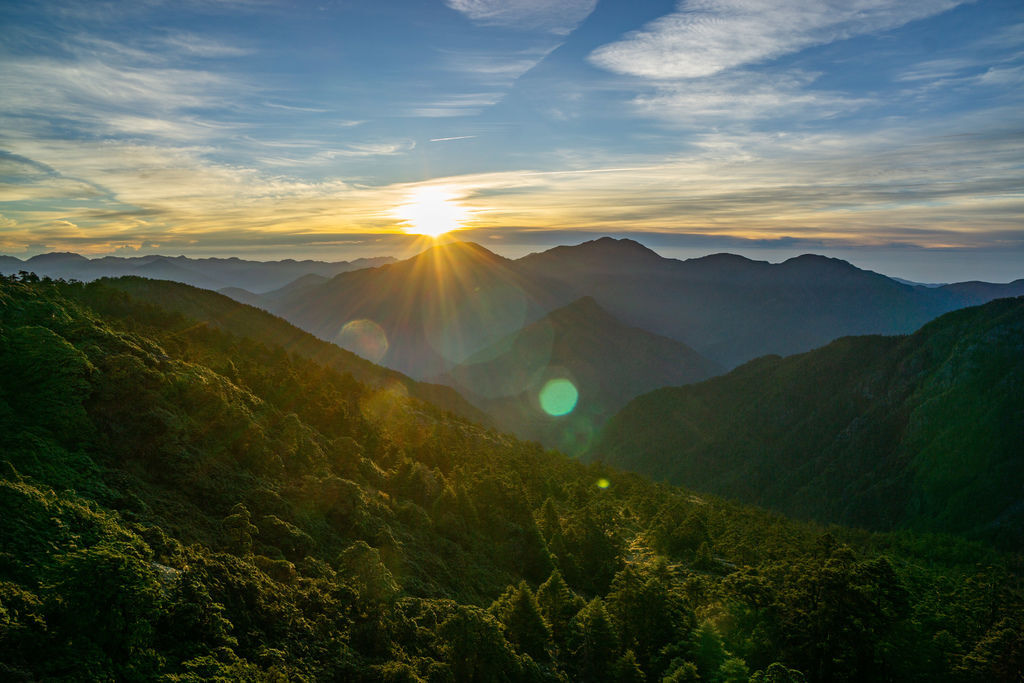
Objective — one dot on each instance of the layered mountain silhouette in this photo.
(732, 309)
(607, 363)
(925, 431)
(430, 312)
(208, 273)
(425, 315)
(439, 308)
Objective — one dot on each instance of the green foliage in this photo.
(593, 643)
(180, 503)
(920, 432)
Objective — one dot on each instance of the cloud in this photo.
(368, 149)
(197, 46)
(291, 107)
(705, 37)
(559, 17)
(469, 104)
(743, 96)
(496, 68)
(114, 100)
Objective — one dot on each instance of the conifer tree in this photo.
(593, 642)
(525, 626)
(559, 605)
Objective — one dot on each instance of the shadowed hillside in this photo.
(608, 364)
(925, 431)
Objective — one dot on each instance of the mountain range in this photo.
(438, 308)
(444, 305)
(924, 431)
(208, 273)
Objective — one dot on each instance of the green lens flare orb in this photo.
(558, 397)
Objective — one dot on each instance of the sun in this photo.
(431, 211)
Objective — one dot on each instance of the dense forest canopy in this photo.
(179, 502)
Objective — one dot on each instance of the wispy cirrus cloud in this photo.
(195, 45)
(107, 99)
(559, 17)
(496, 68)
(468, 104)
(743, 96)
(705, 37)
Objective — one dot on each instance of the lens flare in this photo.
(365, 338)
(558, 397)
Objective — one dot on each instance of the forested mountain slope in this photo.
(607, 362)
(181, 503)
(226, 314)
(924, 431)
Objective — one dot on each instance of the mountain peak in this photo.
(817, 260)
(458, 250)
(606, 253)
(57, 256)
(723, 259)
(620, 245)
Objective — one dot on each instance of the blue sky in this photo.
(886, 132)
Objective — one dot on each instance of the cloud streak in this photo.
(559, 17)
(705, 37)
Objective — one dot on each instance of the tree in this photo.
(627, 669)
(593, 642)
(240, 530)
(778, 673)
(474, 647)
(559, 605)
(525, 626)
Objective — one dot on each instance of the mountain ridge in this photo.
(209, 273)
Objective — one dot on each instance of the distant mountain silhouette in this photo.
(924, 431)
(435, 309)
(243, 296)
(438, 308)
(265, 300)
(607, 362)
(732, 309)
(208, 273)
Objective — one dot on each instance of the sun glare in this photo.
(431, 211)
